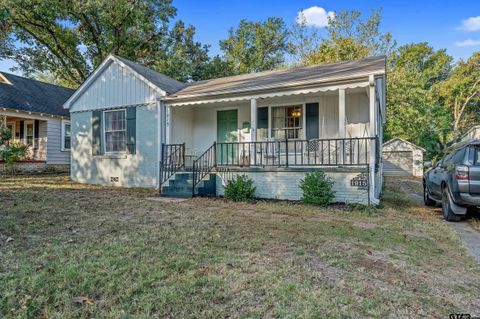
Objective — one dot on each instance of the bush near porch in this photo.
(69, 250)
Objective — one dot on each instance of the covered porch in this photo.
(28, 131)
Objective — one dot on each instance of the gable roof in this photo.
(33, 96)
(291, 77)
(157, 81)
(164, 82)
(403, 141)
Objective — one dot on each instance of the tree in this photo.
(256, 46)
(460, 93)
(348, 38)
(413, 113)
(67, 39)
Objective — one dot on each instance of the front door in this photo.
(227, 131)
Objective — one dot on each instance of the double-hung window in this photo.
(115, 132)
(66, 136)
(287, 122)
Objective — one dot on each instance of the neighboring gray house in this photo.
(34, 111)
(402, 158)
(135, 127)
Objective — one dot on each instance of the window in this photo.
(66, 136)
(115, 131)
(476, 155)
(287, 122)
(29, 133)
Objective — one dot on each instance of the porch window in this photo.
(66, 136)
(287, 122)
(29, 132)
(115, 131)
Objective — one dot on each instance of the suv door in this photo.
(474, 169)
(436, 179)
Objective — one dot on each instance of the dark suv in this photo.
(455, 181)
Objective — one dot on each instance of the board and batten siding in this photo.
(116, 86)
(55, 155)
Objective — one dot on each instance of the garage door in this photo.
(398, 163)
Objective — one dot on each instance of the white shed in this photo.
(402, 158)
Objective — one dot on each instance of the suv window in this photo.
(458, 156)
(476, 155)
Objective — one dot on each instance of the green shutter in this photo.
(131, 129)
(97, 133)
(262, 117)
(311, 117)
(36, 133)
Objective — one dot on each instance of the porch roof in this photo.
(293, 78)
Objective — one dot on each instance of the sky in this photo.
(452, 25)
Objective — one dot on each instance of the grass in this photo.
(91, 251)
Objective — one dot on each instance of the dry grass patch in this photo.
(90, 251)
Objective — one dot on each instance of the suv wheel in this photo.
(447, 211)
(426, 198)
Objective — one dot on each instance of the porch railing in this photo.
(172, 160)
(286, 153)
(204, 164)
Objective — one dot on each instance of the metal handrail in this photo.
(172, 161)
(354, 151)
(204, 164)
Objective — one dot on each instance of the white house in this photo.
(402, 158)
(135, 127)
(34, 112)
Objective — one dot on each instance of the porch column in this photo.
(341, 122)
(253, 120)
(373, 116)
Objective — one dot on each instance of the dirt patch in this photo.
(167, 199)
(418, 234)
(364, 225)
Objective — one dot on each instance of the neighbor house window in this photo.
(115, 131)
(66, 135)
(287, 122)
(29, 133)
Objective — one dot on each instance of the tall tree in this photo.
(348, 37)
(413, 113)
(460, 93)
(67, 39)
(256, 46)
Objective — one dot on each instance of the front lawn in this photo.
(70, 250)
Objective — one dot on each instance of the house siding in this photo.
(116, 86)
(284, 185)
(55, 155)
(132, 170)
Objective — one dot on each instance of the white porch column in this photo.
(341, 122)
(253, 120)
(373, 115)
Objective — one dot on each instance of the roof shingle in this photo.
(33, 96)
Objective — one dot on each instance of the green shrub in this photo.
(317, 189)
(240, 188)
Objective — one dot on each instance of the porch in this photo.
(334, 128)
(31, 132)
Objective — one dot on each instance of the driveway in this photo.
(469, 235)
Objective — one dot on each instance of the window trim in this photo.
(104, 140)
(302, 116)
(63, 148)
(25, 124)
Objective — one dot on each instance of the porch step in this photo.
(180, 185)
